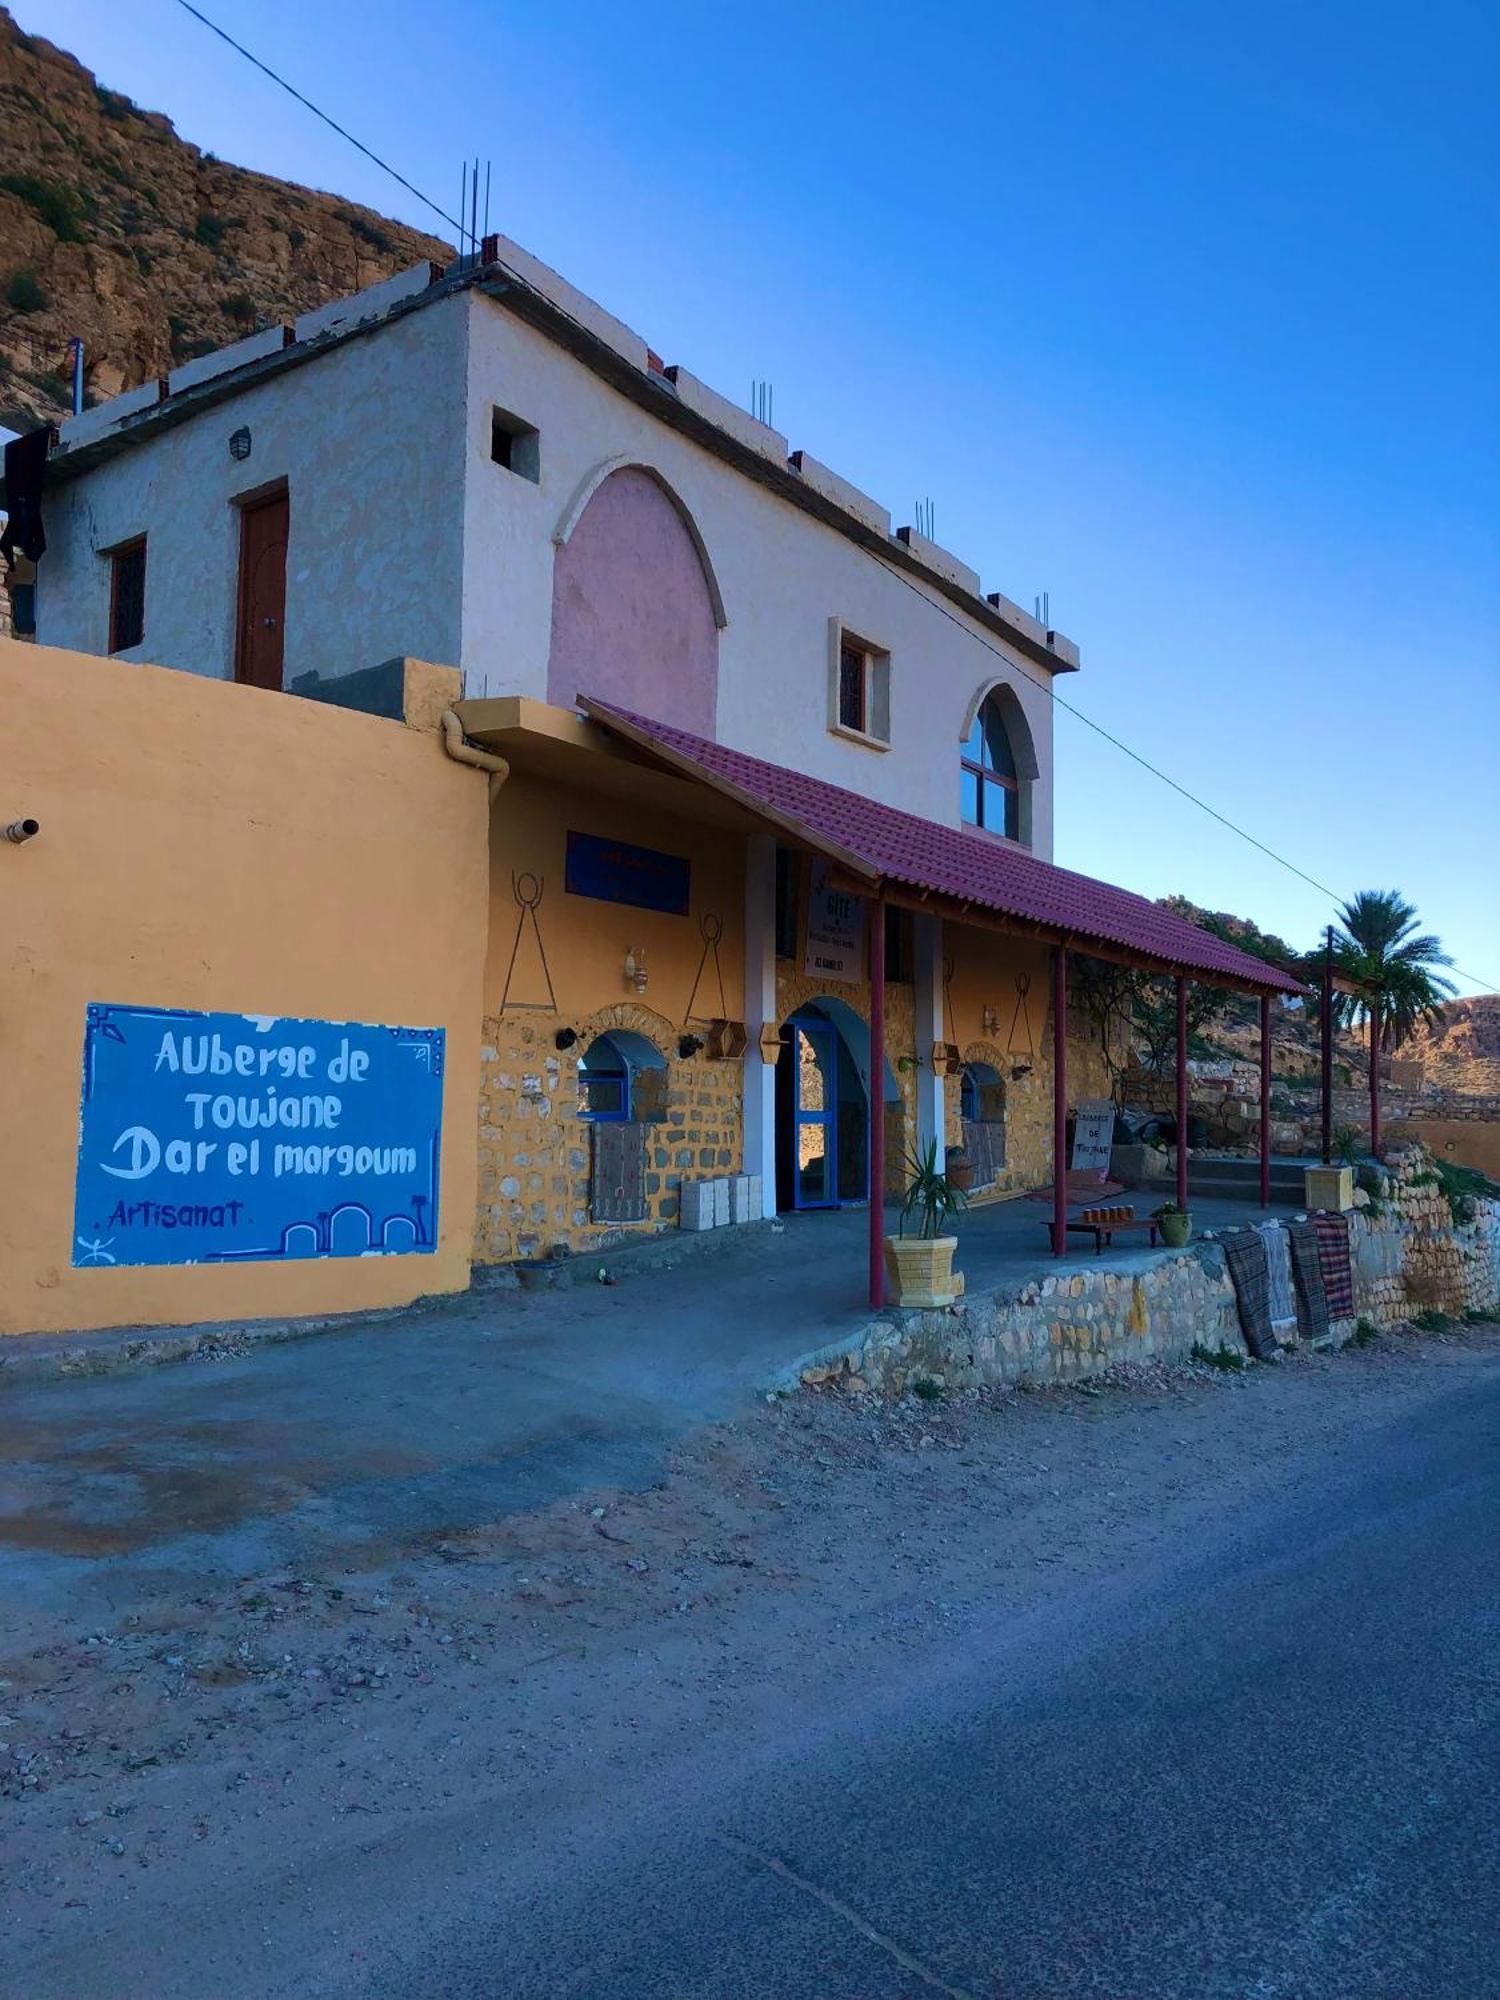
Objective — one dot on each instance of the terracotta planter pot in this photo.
(961, 1174)
(920, 1269)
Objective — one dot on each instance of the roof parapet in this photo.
(374, 302)
(567, 298)
(940, 560)
(103, 416)
(270, 340)
(728, 416)
(819, 477)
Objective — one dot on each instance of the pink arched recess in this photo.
(632, 613)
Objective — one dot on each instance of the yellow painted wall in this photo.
(533, 1144)
(1468, 1142)
(211, 846)
(987, 966)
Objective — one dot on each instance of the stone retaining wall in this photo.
(1060, 1328)
(1409, 1256)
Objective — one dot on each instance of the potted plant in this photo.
(960, 1169)
(1176, 1225)
(920, 1264)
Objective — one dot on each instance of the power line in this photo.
(1045, 686)
(1135, 756)
(332, 123)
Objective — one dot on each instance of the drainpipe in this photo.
(462, 751)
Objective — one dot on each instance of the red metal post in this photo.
(877, 1101)
(1182, 1092)
(1375, 1076)
(1059, 1101)
(1327, 1026)
(1265, 1100)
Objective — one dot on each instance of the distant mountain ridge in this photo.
(114, 228)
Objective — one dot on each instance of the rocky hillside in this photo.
(1461, 1050)
(113, 227)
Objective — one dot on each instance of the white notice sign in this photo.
(835, 929)
(1093, 1134)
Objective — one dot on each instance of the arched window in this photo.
(622, 1080)
(990, 781)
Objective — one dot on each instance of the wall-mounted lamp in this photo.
(635, 968)
(688, 1045)
(239, 444)
(22, 829)
(989, 1020)
(565, 1038)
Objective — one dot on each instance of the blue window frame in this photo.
(989, 785)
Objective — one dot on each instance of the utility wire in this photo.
(1135, 756)
(332, 123)
(1046, 686)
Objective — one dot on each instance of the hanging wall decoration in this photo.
(710, 929)
(1018, 1068)
(527, 889)
(946, 1060)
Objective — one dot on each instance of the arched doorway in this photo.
(981, 1110)
(822, 1107)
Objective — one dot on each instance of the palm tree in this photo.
(1379, 946)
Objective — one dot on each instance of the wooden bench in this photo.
(1103, 1232)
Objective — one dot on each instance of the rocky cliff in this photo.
(114, 228)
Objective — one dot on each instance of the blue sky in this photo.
(1186, 314)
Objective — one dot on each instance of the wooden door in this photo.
(261, 635)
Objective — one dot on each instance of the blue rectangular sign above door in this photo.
(617, 871)
(235, 1138)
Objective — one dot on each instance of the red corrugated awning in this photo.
(886, 845)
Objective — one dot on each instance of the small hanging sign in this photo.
(1093, 1134)
(835, 929)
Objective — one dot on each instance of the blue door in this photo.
(815, 1075)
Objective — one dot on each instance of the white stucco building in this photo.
(481, 467)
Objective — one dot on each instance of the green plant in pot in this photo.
(920, 1260)
(1175, 1224)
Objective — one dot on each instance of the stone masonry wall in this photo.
(1058, 1328)
(534, 1145)
(1410, 1256)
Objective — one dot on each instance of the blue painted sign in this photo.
(237, 1138)
(613, 871)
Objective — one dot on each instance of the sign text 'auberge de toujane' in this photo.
(228, 1138)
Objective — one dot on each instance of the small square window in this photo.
(515, 445)
(127, 596)
(854, 680)
(859, 688)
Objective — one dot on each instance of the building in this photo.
(772, 798)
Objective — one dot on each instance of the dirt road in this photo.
(559, 1753)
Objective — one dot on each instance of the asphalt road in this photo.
(1268, 1768)
(1218, 1715)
